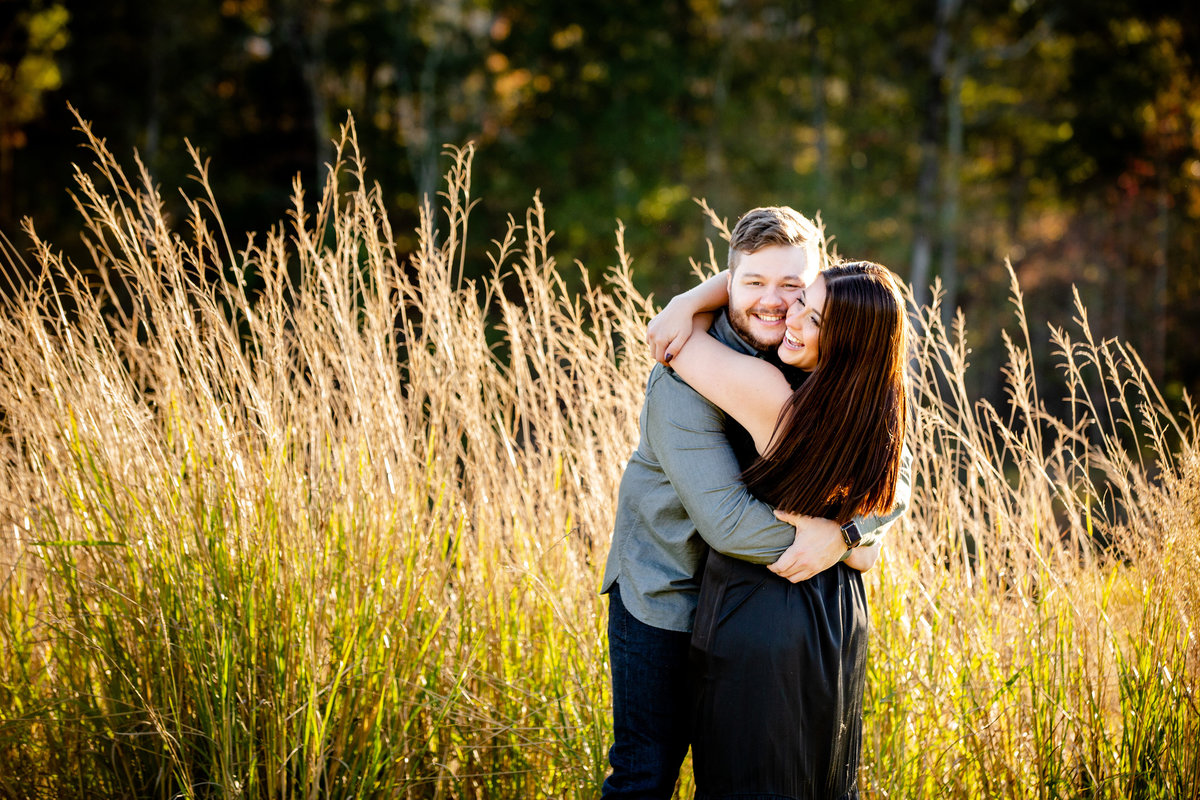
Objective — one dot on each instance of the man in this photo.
(682, 493)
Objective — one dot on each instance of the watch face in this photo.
(850, 534)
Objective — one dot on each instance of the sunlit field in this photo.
(296, 516)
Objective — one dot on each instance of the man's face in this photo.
(762, 287)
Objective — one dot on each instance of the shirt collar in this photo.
(724, 333)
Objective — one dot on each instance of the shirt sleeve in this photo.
(688, 437)
(874, 526)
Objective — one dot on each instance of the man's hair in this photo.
(772, 225)
(836, 448)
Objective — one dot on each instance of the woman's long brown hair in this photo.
(837, 445)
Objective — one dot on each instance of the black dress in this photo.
(779, 670)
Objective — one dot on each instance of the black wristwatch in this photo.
(851, 535)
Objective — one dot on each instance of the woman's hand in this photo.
(670, 329)
(673, 326)
(863, 558)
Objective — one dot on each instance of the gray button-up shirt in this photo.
(682, 492)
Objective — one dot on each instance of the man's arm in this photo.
(823, 546)
(688, 436)
(874, 526)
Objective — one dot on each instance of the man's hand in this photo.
(817, 547)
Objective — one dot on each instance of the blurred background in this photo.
(938, 137)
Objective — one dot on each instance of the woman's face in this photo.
(800, 343)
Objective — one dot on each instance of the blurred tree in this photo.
(934, 136)
(31, 39)
(1121, 171)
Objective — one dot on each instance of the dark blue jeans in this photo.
(651, 705)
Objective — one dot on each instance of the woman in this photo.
(780, 666)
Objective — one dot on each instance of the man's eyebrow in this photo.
(793, 277)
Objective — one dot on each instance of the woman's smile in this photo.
(801, 341)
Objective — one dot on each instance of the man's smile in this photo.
(768, 318)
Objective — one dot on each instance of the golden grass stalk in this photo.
(303, 518)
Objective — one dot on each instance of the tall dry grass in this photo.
(299, 517)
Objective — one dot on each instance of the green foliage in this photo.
(36, 70)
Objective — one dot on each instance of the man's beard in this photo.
(740, 322)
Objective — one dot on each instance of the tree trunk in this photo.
(159, 32)
(7, 134)
(951, 184)
(422, 137)
(305, 28)
(1118, 277)
(714, 147)
(314, 67)
(1158, 352)
(820, 119)
(927, 178)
